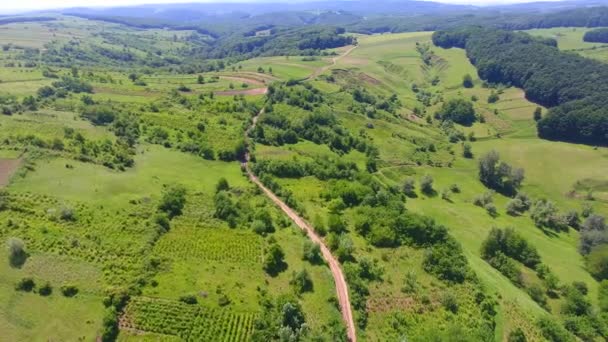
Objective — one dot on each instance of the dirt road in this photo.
(334, 264)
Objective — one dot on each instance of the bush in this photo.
(188, 299)
(26, 284)
(512, 245)
(69, 290)
(467, 81)
(597, 262)
(274, 262)
(517, 335)
(449, 302)
(484, 199)
(301, 282)
(173, 200)
(459, 111)
(467, 151)
(499, 175)
(538, 295)
(553, 331)
(426, 185)
(45, 290)
(409, 187)
(16, 252)
(312, 253)
(447, 262)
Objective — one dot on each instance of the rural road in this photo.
(334, 264)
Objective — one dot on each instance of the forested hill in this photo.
(571, 85)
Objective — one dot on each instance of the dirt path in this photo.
(334, 264)
(7, 168)
(334, 61)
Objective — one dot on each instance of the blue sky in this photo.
(46, 4)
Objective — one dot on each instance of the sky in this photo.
(8, 5)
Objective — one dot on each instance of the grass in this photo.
(571, 39)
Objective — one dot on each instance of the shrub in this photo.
(447, 262)
(173, 200)
(517, 335)
(301, 282)
(409, 187)
(594, 232)
(222, 185)
(467, 81)
(69, 290)
(274, 262)
(499, 175)
(545, 214)
(538, 295)
(512, 245)
(603, 296)
(426, 185)
(493, 98)
(484, 199)
(312, 252)
(46, 289)
(459, 111)
(223, 300)
(553, 331)
(467, 151)
(518, 205)
(597, 262)
(449, 302)
(26, 284)
(16, 252)
(188, 299)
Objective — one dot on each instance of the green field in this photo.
(127, 195)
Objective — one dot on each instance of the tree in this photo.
(594, 232)
(409, 187)
(538, 114)
(499, 175)
(173, 200)
(517, 335)
(133, 77)
(301, 281)
(467, 81)
(493, 98)
(312, 253)
(274, 261)
(16, 252)
(200, 79)
(459, 111)
(46, 91)
(597, 262)
(467, 151)
(426, 185)
(46, 289)
(222, 185)
(553, 331)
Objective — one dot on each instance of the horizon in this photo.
(39, 5)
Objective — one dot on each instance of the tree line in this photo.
(571, 85)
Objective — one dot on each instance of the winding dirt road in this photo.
(334, 264)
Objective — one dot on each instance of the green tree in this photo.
(274, 261)
(597, 262)
(459, 111)
(538, 114)
(426, 185)
(173, 200)
(517, 335)
(467, 81)
(16, 252)
(301, 281)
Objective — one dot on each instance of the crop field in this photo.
(187, 322)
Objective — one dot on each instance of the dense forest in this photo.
(567, 83)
